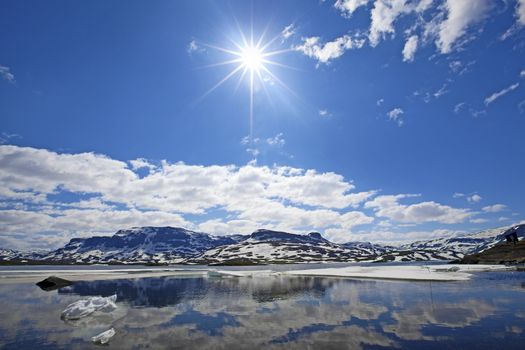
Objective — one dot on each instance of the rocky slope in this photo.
(503, 253)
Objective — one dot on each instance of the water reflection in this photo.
(273, 312)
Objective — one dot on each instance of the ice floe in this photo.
(86, 307)
(104, 337)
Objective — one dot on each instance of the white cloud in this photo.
(193, 46)
(395, 115)
(288, 31)
(500, 93)
(141, 163)
(521, 106)
(496, 208)
(460, 14)
(424, 5)
(459, 107)
(522, 73)
(520, 12)
(324, 113)
(348, 7)
(251, 196)
(253, 151)
(474, 198)
(380, 102)
(388, 206)
(383, 16)
(325, 52)
(247, 197)
(442, 90)
(277, 140)
(5, 73)
(458, 195)
(410, 48)
(478, 221)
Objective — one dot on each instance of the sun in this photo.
(252, 58)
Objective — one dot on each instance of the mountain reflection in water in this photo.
(274, 312)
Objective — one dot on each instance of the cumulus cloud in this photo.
(410, 48)
(395, 115)
(141, 163)
(383, 16)
(500, 93)
(251, 196)
(460, 14)
(220, 199)
(325, 52)
(388, 206)
(496, 208)
(474, 198)
(5, 73)
(348, 7)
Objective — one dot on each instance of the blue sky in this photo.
(384, 120)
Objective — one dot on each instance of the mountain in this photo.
(170, 245)
(266, 246)
(451, 248)
(9, 254)
(140, 245)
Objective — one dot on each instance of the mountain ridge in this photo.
(174, 245)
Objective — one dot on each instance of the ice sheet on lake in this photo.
(104, 337)
(400, 272)
(86, 307)
(240, 273)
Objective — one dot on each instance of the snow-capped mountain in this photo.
(452, 248)
(15, 255)
(140, 245)
(177, 245)
(9, 254)
(266, 246)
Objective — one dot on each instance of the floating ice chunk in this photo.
(86, 307)
(103, 337)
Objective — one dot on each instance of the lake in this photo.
(196, 312)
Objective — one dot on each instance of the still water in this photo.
(487, 312)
